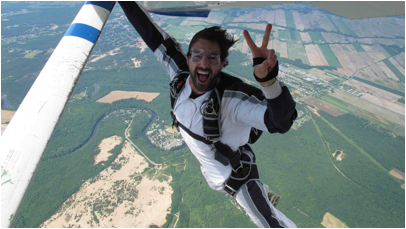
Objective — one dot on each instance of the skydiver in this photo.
(202, 95)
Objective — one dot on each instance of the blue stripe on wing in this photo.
(83, 31)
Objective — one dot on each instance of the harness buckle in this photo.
(209, 109)
(229, 190)
(213, 139)
(238, 168)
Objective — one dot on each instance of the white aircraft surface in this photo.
(28, 134)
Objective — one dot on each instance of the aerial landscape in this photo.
(116, 161)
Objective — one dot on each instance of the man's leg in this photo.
(253, 197)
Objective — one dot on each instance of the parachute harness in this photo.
(242, 161)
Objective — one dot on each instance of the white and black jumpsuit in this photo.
(271, 109)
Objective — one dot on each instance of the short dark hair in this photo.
(215, 34)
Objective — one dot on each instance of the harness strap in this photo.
(221, 148)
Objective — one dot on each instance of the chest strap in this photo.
(224, 154)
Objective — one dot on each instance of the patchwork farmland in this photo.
(364, 61)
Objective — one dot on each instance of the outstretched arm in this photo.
(166, 49)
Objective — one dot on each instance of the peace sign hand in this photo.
(261, 70)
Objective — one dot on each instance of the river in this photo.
(144, 131)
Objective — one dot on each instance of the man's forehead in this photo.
(206, 45)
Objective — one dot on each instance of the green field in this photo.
(176, 21)
(395, 70)
(358, 47)
(336, 102)
(316, 36)
(379, 86)
(284, 34)
(344, 27)
(32, 54)
(330, 57)
(297, 51)
(357, 111)
(295, 35)
(290, 20)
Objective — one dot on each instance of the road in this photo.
(128, 139)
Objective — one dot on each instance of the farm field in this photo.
(396, 108)
(341, 24)
(395, 70)
(290, 21)
(366, 88)
(280, 18)
(313, 55)
(298, 20)
(319, 73)
(118, 95)
(329, 55)
(397, 65)
(305, 36)
(296, 51)
(370, 111)
(319, 104)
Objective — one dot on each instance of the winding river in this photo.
(144, 131)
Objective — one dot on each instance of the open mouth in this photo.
(203, 76)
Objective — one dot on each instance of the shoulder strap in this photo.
(176, 86)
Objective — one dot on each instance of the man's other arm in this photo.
(166, 49)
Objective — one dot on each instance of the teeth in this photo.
(206, 73)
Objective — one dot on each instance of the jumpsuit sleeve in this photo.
(168, 51)
(271, 109)
(281, 111)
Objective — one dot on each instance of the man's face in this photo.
(204, 65)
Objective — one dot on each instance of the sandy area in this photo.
(110, 53)
(172, 130)
(330, 221)
(118, 95)
(105, 147)
(398, 174)
(403, 186)
(54, 27)
(6, 115)
(137, 63)
(117, 198)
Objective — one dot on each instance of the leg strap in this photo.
(248, 172)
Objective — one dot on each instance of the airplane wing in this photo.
(350, 10)
(28, 133)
